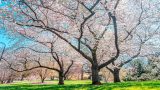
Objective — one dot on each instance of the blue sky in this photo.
(9, 40)
(5, 38)
(3, 3)
(12, 40)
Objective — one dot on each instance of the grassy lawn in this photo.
(81, 85)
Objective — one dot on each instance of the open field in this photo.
(81, 85)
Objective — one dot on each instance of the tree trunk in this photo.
(22, 78)
(52, 78)
(95, 75)
(9, 80)
(1, 82)
(116, 75)
(42, 80)
(61, 78)
(82, 74)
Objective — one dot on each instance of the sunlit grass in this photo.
(67, 82)
(80, 85)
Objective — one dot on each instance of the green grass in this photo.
(81, 85)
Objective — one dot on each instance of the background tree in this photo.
(7, 75)
(31, 62)
(42, 72)
(144, 69)
(135, 41)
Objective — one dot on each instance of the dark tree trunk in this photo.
(61, 78)
(22, 77)
(52, 77)
(9, 80)
(42, 80)
(116, 75)
(1, 82)
(95, 75)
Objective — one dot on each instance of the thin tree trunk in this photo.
(95, 75)
(116, 75)
(22, 77)
(82, 74)
(42, 80)
(61, 78)
(52, 77)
